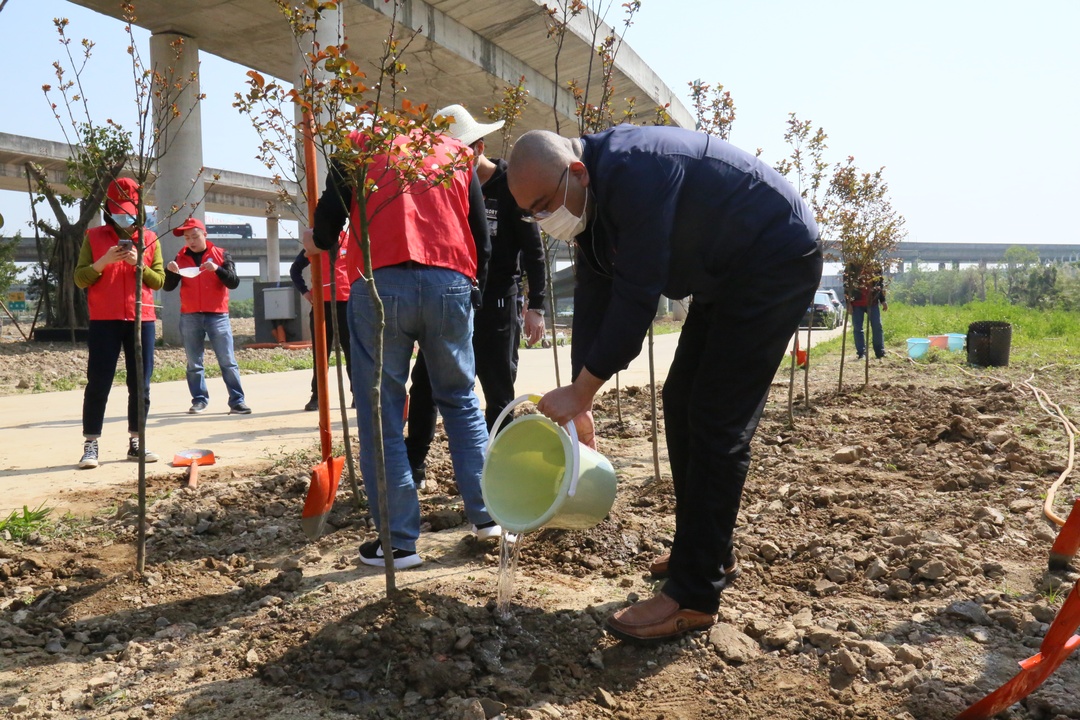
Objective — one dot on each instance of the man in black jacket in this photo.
(497, 323)
(665, 211)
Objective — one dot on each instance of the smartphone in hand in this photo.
(125, 244)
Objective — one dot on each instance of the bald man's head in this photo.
(538, 166)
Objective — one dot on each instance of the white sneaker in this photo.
(490, 529)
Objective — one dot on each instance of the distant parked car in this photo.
(822, 313)
(839, 305)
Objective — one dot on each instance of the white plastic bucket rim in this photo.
(568, 507)
(575, 465)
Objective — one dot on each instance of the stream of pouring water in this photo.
(509, 549)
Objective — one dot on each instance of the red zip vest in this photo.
(429, 226)
(112, 296)
(341, 271)
(205, 292)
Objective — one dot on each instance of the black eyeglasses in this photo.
(535, 217)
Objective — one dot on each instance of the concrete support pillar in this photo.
(263, 269)
(179, 185)
(273, 250)
(329, 31)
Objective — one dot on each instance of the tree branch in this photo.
(45, 189)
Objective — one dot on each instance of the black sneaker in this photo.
(371, 554)
(133, 452)
(312, 404)
(239, 409)
(89, 455)
(419, 476)
(197, 407)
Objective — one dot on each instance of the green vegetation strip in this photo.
(1038, 336)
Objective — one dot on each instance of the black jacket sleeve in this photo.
(479, 227)
(172, 280)
(226, 272)
(592, 293)
(296, 272)
(533, 261)
(333, 209)
(638, 203)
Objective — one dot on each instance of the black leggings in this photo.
(105, 340)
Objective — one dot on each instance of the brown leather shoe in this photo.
(659, 568)
(655, 620)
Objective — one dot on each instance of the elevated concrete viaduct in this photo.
(464, 51)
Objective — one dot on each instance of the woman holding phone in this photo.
(106, 269)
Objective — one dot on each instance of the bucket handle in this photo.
(568, 427)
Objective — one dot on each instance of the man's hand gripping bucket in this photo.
(536, 474)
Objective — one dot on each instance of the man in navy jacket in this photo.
(664, 211)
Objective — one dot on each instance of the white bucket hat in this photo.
(464, 128)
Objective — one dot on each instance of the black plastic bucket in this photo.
(988, 343)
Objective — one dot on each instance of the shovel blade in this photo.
(185, 458)
(325, 478)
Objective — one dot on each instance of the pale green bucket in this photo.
(536, 474)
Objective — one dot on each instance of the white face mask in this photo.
(563, 224)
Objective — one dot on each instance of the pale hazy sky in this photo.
(971, 106)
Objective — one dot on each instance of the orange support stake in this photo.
(1068, 540)
(1058, 644)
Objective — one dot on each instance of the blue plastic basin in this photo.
(957, 341)
(917, 347)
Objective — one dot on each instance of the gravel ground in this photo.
(892, 546)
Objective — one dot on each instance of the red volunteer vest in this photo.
(112, 296)
(203, 293)
(341, 271)
(429, 226)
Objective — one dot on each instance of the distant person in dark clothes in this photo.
(339, 304)
(664, 211)
(498, 322)
(864, 291)
(106, 268)
(205, 274)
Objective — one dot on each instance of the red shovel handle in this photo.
(319, 341)
(1068, 540)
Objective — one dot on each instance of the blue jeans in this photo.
(432, 306)
(858, 322)
(195, 327)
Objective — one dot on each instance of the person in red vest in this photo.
(106, 269)
(205, 274)
(429, 251)
(339, 304)
(864, 290)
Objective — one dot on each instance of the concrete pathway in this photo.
(41, 438)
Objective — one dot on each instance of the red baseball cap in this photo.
(123, 194)
(189, 224)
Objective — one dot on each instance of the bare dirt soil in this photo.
(893, 554)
